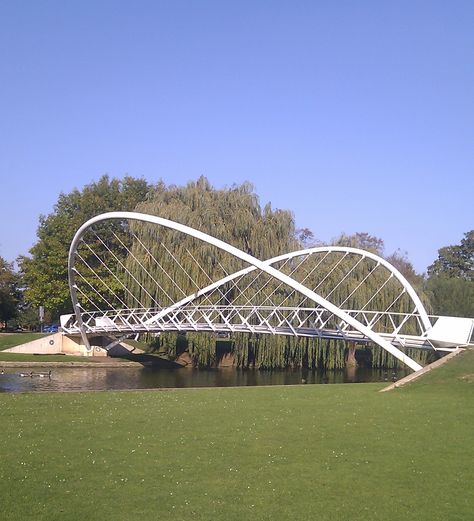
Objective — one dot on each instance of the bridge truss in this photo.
(132, 273)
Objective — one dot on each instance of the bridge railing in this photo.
(307, 322)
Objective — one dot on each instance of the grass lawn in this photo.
(25, 357)
(314, 452)
(8, 340)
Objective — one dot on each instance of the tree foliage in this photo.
(455, 261)
(235, 216)
(45, 270)
(363, 241)
(400, 261)
(451, 296)
(9, 291)
(451, 279)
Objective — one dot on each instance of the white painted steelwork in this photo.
(264, 295)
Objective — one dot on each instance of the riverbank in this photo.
(89, 364)
(60, 360)
(325, 452)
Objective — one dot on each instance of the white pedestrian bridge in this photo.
(132, 273)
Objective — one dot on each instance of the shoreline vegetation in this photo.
(296, 452)
(46, 363)
(263, 352)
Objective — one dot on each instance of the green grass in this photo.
(314, 452)
(137, 344)
(25, 357)
(16, 339)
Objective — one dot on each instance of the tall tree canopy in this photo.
(451, 279)
(233, 215)
(455, 261)
(45, 271)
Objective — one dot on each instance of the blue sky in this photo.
(357, 116)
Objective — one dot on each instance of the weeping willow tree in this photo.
(268, 352)
(165, 266)
(180, 265)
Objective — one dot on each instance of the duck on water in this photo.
(31, 374)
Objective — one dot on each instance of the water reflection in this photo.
(85, 378)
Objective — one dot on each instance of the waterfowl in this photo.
(41, 375)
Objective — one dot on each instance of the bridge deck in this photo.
(301, 322)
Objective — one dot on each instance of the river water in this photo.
(99, 378)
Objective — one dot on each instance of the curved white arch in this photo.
(366, 254)
(419, 307)
(252, 261)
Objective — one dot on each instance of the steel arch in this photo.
(254, 263)
(419, 307)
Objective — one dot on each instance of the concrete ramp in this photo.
(59, 343)
(48, 345)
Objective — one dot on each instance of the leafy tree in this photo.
(400, 261)
(28, 317)
(9, 292)
(233, 215)
(451, 296)
(306, 238)
(363, 241)
(451, 279)
(45, 271)
(455, 261)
